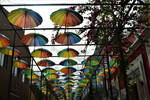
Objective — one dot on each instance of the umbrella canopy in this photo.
(69, 83)
(34, 39)
(41, 53)
(66, 17)
(20, 64)
(69, 52)
(69, 78)
(68, 70)
(67, 38)
(91, 62)
(68, 62)
(49, 71)
(34, 77)
(68, 75)
(84, 80)
(52, 76)
(9, 51)
(4, 41)
(45, 63)
(24, 18)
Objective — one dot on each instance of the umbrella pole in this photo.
(31, 79)
(10, 77)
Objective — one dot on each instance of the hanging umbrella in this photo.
(20, 64)
(67, 87)
(49, 71)
(84, 80)
(69, 52)
(82, 84)
(90, 62)
(66, 17)
(52, 76)
(67, 38)
(68, 62)
(4, 41)
(41, 53)
(8, 51)
(68, 70)
(45, 63)
(69, 83)
(34, 39)
(34, 76)
(24, 18)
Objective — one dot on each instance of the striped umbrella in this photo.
(20, 64)
(67, 38)
(49, 71)
(34, 39)
(9, 51)
(69, 52)
(45, 63)
(4, 41)
(24, 18)
(68, 62)
(68, 70)
(41, 53)
(66, 17)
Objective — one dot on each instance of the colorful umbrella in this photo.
(20, 64)
(84, 80)
(68, 62)
(68, 75)
(34, 76)
(34, 39)
(49, 71)
(68, 70)
(24, 18)
(69, 78)
(82, 84)
(4, 41)
(45, 63)
(91, 62)
(52, 76)
(66, 17)
(69, 52)
(9, 50)
(41, 53)
(67, 38)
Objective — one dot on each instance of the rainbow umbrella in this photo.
(69, 52)
(49, 71)
(20, 64)
(84, 80)
(66, 17)
(34, 76)
(67, 87)
(34, 39)
(4, 41)
(69, 83)
(45, 63)
(68, 70)
(67, 38)
(24, 18)
(82, 84)
(9, 50)
(52, 76)
(90, 62)
(68, 62)
(41, 53)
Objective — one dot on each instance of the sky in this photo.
(45, 12)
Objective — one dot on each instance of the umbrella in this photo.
(52, 76)
(8, 51)
(41, 53)
(4, 41)
(34, 39)
(69, 83)
(66, 17)
(82, 84)
(24, 18)
(49, 71)
(69, 78)
(67, 38)
(45, 63)
(84, 80)
(91, 62)
(20, 64)
(68, 62)
(34, 76)
(69, 52)
(68, 70)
